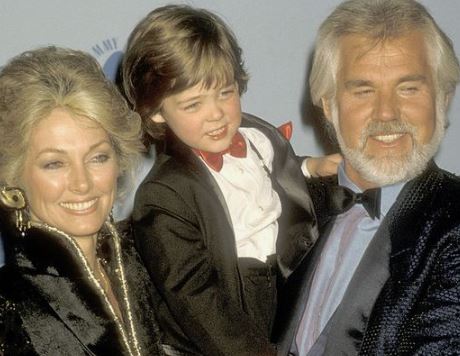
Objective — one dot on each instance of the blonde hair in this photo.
(380, 20)
(36, 82)
(172, 49)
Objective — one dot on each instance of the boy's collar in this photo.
(237, 148)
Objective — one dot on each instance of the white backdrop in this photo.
(276, 37)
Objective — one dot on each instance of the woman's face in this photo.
(70, 174)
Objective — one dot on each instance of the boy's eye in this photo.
(225, 93)
(192, 106)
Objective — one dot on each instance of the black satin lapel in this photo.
(206, 175)
(348, 323)
(293, 302)
(182, 153)
(297, 222)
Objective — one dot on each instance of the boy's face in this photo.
(204, 119)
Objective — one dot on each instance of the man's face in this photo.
(385, 109)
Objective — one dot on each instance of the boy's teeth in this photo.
(388, 138)
(216, 132)
(79, 206)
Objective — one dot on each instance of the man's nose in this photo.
(386, 106)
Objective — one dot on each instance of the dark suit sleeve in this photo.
(418, 313)
(438, 317)
(173, 248)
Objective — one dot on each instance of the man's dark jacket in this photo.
(404, 297)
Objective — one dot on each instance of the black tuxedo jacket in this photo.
(184, 234)
(404, 298)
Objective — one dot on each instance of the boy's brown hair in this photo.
(174, 48)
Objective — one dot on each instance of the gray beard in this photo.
(391, 169)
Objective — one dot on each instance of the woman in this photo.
(71, 285)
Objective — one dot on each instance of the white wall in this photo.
(276, 37)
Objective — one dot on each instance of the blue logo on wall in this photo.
(109, 56)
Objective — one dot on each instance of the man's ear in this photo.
(447, 100)
(326, 103)
(158, 118)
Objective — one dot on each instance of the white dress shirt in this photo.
(253, 205)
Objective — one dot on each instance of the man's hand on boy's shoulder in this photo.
(321, 166)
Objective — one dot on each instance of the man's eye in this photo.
(410, 90)
(53, 165)
(364, 92)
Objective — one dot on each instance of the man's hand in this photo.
(323, 166)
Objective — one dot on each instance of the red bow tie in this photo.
(237, 148)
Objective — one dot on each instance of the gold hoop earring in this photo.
(13, 198)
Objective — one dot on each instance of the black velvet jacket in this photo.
(51, 304)
(404, 297)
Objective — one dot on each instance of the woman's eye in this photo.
(101, 158)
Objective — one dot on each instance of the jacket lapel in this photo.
(56, 274)
(297, 291)
(88, 322)
(298, 222)
(174, 147)
(348, 323)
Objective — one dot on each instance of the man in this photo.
(384, 277)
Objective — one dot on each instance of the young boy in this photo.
(225, 208)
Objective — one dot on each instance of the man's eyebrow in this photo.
(413, 78)
(355, 83)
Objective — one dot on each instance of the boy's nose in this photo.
(217, 112)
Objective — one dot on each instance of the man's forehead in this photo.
(403, 52)
(361, 45)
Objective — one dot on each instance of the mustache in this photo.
(388, 127)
